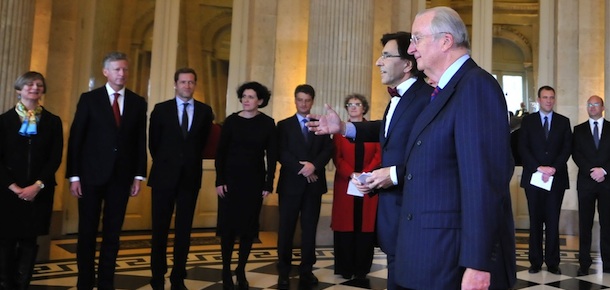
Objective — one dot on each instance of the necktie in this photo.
(393, 92)
(595, 134)
(115, 109)
(546, 127)
(305, 130)
(434, 93)
(185, 120)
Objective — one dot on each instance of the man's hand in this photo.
(265, 193)
(363, 188)
(135, 187)
(29, 193)
(75, 189)
(327, 124)
(475, 280)
(312, 178)
(307, 169)
(380, 178)
(221, 190)
(598, 174)
(547, 172)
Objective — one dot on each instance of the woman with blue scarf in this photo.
(30, 152)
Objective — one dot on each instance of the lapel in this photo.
(605, 137)
(298, 134)
(439, 102)
(197, 117)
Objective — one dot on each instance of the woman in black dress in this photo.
(30, 153)
(245, 168)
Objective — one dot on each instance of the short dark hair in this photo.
(184, 70)
(361, 98)
(546, 88)
(305, 88)
(403, 39)
(262, 92)
(113, 56)
(29, 77)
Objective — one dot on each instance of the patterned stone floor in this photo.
(204, 267)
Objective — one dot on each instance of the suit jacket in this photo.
(411, 104)
(292, 149)
(23, 160)
(536, 150)
(586, 156)
(456, 209)
(97, 147)
(173, 155)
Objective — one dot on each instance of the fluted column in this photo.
(339, 50)
(16, 26)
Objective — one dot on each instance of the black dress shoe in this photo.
(308, 279)
(178, 286)
(533, 270)
(283, 283)
(243, 284)
(555, 270)
(582, 272)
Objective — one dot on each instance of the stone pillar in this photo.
(481, 41)
(546, 47)
(16, 27)
(339, 50)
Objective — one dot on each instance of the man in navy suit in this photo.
(105, 165)
(178, 132)
(302, 182)
(456, 225)
(399, 72)
(592, 155)
(545, 144)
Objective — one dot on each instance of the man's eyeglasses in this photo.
(385, 56)
(416, 38)
(349, 105)
(593, 105)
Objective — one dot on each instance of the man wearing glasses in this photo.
(591, 152)
(409, 95)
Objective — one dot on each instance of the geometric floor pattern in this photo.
(204, 272)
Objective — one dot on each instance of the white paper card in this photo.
(351, 187)
(537, 181)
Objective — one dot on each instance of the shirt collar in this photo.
(404, 86)
(111, 91)
(451, 70)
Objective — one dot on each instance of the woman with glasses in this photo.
(353, 217)
(245, 169)
(30, 153)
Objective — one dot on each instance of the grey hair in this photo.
(447, 20)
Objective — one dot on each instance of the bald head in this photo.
(595, 107)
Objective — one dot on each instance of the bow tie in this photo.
(393, 92)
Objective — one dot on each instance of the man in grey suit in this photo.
(178, 132)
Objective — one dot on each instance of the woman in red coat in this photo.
(353, 218)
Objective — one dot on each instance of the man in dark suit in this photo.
(410, 94)
(456, 225)
(591, 152)
(106, 163)
(178, 132)
(302, 182)
(545, 144)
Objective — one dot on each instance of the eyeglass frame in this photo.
(385, 56)
(416, 38)
(589, 105)
(349, 105)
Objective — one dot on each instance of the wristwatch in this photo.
(40, 184)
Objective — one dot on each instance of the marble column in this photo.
(339, 50)
(16, 27)
(482, 39)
